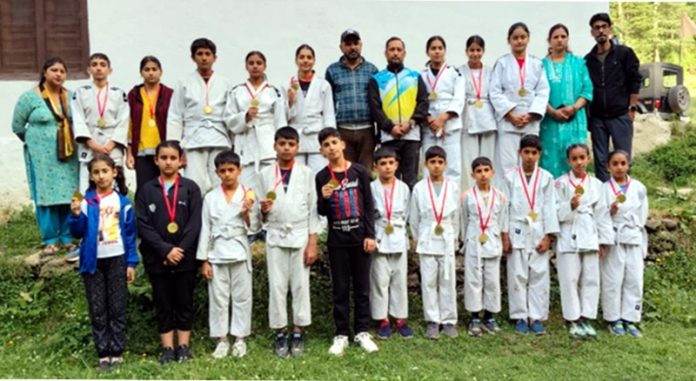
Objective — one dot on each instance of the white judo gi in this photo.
(528, 275)
(506, 82)
(482, 259)
(311, 112)
(581, 232)
(202, 134)
(288, 227)
(223, 242)
(479, 126)
(85, 113)
(254, 140)
(389, 269)
(436, 252)
(622, 265)
(448, 87)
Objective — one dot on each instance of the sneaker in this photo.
(282, 349)
(239, 348)
(116, 362)
(432, 331)
(633, 330)
(384, 330)
(522, 327)
(365, 341)
(104, 365)
(168, 356)
(297, 344)
(404, 330)
(616, 328)
(590, 332)
(73, 255)
(340, 343)
(450, 330)
(538, 328)
(576, 330)
(183, 353)
(491, 326)
(475, 328)
(221, 350)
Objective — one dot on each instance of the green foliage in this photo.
(674, 163)
(670, 292)
(20, 234)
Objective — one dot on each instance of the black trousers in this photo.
(350, 263)
(619, 130)
(107, 295)
(145, 170)
(409, 153)
(173, 297)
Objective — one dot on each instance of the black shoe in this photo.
(183, 353)
(281, 345)
(297, 344)
(167, 356)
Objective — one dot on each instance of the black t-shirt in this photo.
(350, 209)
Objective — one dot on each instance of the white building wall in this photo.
(127, 30)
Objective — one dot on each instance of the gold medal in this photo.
(483, 238)
(389, 229)
(439, 229)
(172, 227)
(295, 86)
(254, 103)
(579, 190)
(532, 215)
(333, 183)
(78, 196)
(478, 104)
(208, 109)
(621, 198)
(271, 195)
(522, 92)
(250, 195)
(151, 123)
(101, 123)
(433, 95)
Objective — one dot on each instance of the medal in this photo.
(522, 72)
(78, 196)
(531, 200)
(254, 103)
(101, 107)
(271, 195)
(151, 104)
(483, 238)
(620, 196)
(522, 92)
(151, 123)
(433, 85)
(389, 206)
(389, 229)
(477, 87)
(334, 181)
(532, 215)
(578, 188)
(438, 216)
(172, 227)
(101, 123)
(433, 95)
(253, 94)
(439, 229)
(208, 109)
(295, 86)
(250, 195)
(478, 103)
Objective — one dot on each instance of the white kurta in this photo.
(436, 252)
(504, 94)
(581, 232)
(622, 266)
(389, 268)
(482, 260)
(528, 272)
(85, 112)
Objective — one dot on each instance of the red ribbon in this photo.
(171, 207)
(438, 218)
(483, 225)
(531, 201)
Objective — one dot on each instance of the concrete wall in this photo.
(277, 28)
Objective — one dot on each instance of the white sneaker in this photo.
(239, 349)
(365, 341)
(340, 343)
(222, 350)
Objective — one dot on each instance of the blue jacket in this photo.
(87, 228)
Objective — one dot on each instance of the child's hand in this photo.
(109, 146)
(507, 246)
(130, 275)
(310, 254)
(544, 245)
(292, 95)
(602, 251)
(175, 255)
(207, 271)
(575, 201)
(266, 206)
(247, 204)
(327, 190)
(369, 245)
(75, 207)
(614, 208)
(251, 113)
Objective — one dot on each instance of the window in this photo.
(33, 30)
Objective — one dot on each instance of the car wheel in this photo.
(679, 99)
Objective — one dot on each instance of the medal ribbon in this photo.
(582, 181)
(438, 217)
(282, 178)
(484, 225)
(207, 88)
(618, 191)
(531, 201)
(99, 198)
(389, 203)
(153, 101)
(522, 71)
(345, 172)
(101, 108)
(433, 85)
(171, 207)
(477, 89)
(253, 94)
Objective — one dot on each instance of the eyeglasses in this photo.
(599, 27)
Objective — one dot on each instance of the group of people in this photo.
(257, 156)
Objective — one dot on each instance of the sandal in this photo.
(49, 250)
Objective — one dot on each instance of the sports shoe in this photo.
(491, 326)
(522, 327)
(167, 356)
(297, 344)
(239, 348)
(475, 328)
(183, 353)
(576, 330)
(537, 328)
(365, 341)
(616, 328)
(115, 363)
(221, 350)
(384, 330)
(104, 365)
(450, 330)
(404, 330)
(633, 330)
(73, 255)
(590, 332)
(432, 331)
(340, 343)
(281, 345)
